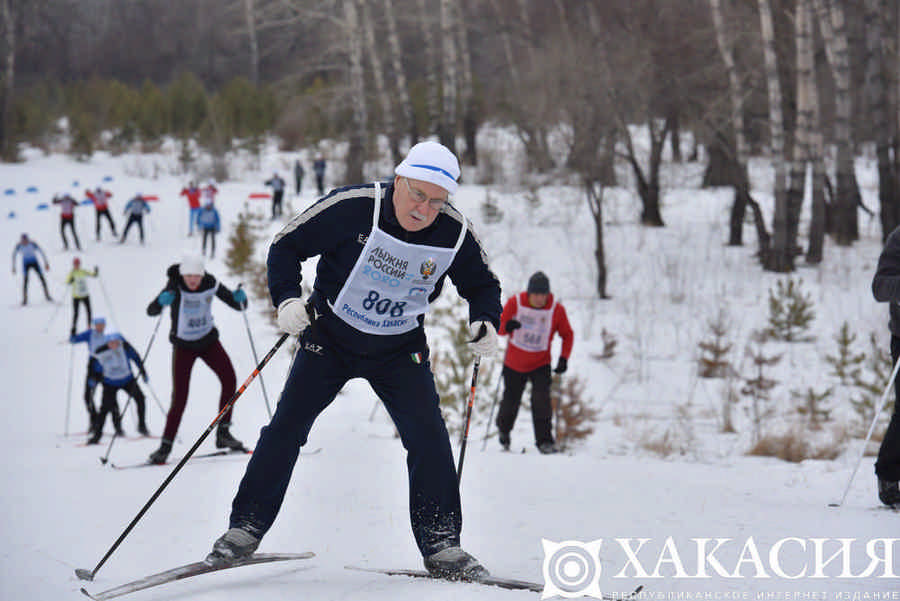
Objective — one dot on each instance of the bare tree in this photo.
(816, 149)
(359, 121)
(432, 77)
(401, 88)
(845, 224)
(381, 92)
(781, 256)
(250, 17)
(7, 144)
(877, 96)
(737, 170)
(467, 87)
(449, 79)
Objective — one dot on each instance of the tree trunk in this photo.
(781, 257)
(594, 193)
(876, 89)
(467, 86)
(359, 126)
(727, 166)
(402, 91)
(384, 98)
(432, 80)
(7, 144)
(847, 193)
(648, 185)
(816, 148)
(250, 17)
(447, 127)
(805, 121)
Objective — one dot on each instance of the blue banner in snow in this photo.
(86, 201)
(108, 178)
(9, 192)
(43, 206)
(12, 215)
(31, 189)
(75, 184)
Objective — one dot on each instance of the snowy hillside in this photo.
(62, 509)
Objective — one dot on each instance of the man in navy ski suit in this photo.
(385, 250)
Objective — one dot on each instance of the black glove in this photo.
(561, 366)
(512, 325)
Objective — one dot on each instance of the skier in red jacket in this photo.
(192, 192)
(531, 318)
(100, 198)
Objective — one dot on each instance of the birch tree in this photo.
(359, 122)
(9, 79)
(250, 18)
(878, 105)
(381, 92)
(846, 198)
(447, 122)
(400, 86)
(467, 86)
(738, 169)
(780, 256)
(432, 79)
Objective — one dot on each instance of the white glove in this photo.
(292, 317)
(484, 344)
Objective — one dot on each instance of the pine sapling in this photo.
(715, 349)
(790, 310)
(758, 386)
(812, 406)
(872, 381)
(846, 364)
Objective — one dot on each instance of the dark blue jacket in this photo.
(336, 228)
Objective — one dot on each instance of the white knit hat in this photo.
(431, 162)
(191, 265)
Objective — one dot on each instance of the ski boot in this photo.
(889, 492)
(142, 429)
(548, 447)
(159, 456)
(224, 439)
(452, 563)
(504, 440)
(235, 544)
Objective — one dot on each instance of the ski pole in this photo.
(84, 574)
(462, 449)
(69, 385)
(556, 385)
(487, 431)
(53, 317)
(108, 303)
(880, 408)
(115, 435)
(262, 382)
(144, 360)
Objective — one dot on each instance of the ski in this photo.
(190, 570)
(221, 453)
(507, 583)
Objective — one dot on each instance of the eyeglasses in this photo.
(419, 197)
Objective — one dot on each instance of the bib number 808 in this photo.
(383, 305)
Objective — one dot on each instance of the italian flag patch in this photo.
(416, 357)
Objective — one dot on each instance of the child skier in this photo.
(78, 280)
(115, 357)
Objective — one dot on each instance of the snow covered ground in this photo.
(61, 509)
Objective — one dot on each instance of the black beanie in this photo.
(538, 284)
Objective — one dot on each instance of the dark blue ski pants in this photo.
(407, 391)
